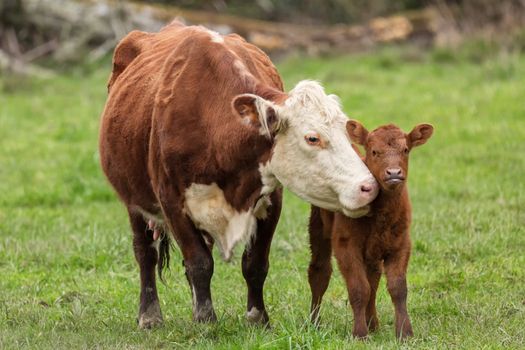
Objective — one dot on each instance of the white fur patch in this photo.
(270, 184)
(193, 297)
(308, 101)
(216, 37)
(268, 179)
(260, 210)
(208, 209)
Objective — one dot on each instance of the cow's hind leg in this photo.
(146, 255)
(255, 262)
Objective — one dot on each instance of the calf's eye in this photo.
(406, 150)
(374, 152)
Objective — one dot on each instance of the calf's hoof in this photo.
(151, 318)
(360, 334)
(315, 318)
(316, 321)
(405, 334)
(404, 330)
(373, 324)
(258, 317)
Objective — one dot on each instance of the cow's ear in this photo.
(357, 132)
(257, 111)
(420, 134)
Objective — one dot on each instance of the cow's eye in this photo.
(312, 139)
(374, 152)
(406, 150)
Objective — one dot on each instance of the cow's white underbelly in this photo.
(208, 209)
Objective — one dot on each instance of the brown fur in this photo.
(169, 122)
(367, 246)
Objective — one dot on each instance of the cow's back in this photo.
(171, 92)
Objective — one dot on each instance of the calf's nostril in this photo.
(393, 171)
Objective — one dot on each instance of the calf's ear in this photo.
(256, 111)
(420, 134)
(356, 131)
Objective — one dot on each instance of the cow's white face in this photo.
(312, 154)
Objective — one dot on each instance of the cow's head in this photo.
(387, 149)
(312, 154)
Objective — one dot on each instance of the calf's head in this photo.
(312, 154)
(387, 149)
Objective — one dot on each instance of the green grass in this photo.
(68, 278)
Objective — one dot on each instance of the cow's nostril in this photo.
(366, 188)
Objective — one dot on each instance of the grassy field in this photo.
(68, 278)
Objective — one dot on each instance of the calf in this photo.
(365, 247)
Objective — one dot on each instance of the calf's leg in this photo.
(146, 255)
(395, 270)
(320, 269)
(373, 276)
(353, 269)
(255, 262)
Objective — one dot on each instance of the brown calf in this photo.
(366, 246)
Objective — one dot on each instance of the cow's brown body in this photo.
(168, 123)
(367, 246)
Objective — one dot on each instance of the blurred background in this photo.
(38, 35)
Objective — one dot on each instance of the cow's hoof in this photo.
(204, 313)
(148, 322)
(205, 318)
(151, 318)
(258, 317)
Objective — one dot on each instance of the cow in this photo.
(197, 138)
(366, 246)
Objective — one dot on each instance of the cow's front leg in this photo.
(255, 261)
(147, 256)
(199, 270)
(198, 261)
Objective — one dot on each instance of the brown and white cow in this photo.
(197, 136)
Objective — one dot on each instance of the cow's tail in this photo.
(164, 254)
